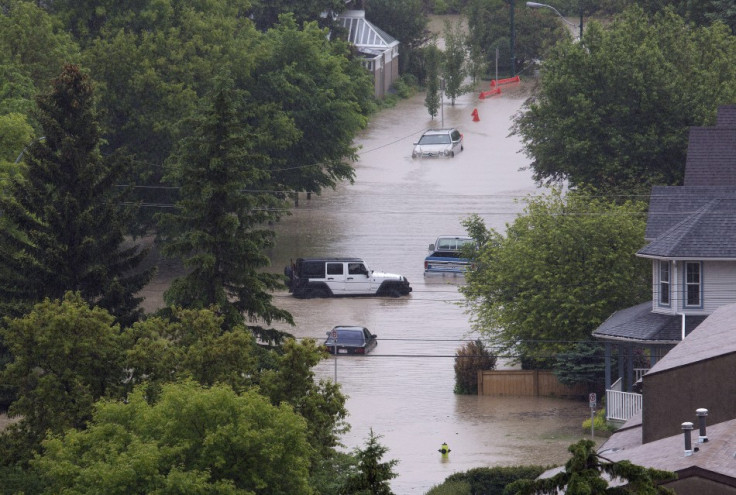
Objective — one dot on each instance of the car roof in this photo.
(439, 131)
(349, 327)
(352, 260)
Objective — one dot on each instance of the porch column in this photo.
(629, 367)
(608, 365)
(621, 367)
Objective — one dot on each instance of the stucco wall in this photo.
(672, 396)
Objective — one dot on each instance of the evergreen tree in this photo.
(63, 223)
(372, 476)
(584, 475)
(218, 227)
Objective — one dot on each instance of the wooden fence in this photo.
(534, 383)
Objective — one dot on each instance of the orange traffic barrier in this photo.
(508, 80)
(485, 94)
(475, 115)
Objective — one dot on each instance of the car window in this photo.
(356, 269)
(435, 139)
(334, 269)
(348, 337)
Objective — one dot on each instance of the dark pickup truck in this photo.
(445, 255)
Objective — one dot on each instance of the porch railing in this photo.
(622, 406)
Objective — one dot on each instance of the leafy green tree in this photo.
(192, 440)
(265, 13)
(584, 475)
(64, 225)
(454, 70)
(560, 270)
(15, 134)
(432, 100)
(218, 227)
(373, 475)
(66, 356)
(612, 112)
(700, 12)
(191, 344)
(469, 360)
(490, 480)
(405, 20)
(324, 92)
(292, 381)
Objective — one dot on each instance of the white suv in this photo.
(438, 142)
(327, 277)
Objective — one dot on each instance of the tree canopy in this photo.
(64, 225)
(192, 440)
(562, 267)
(614, 112)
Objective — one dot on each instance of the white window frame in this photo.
(688, 284)
(665, 283)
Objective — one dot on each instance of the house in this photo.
(688, 420)
(379, 50)
(691, 230)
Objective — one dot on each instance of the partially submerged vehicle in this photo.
(328, 277)
(446, 255)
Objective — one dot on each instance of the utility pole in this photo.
(513, 40)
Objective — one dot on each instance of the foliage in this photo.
(491, 480)
(454, 69)
(192, 440)
(64, 225)
(699, 12)
(433, 58)
(265, 13)
(217, 227)
(451, 488)
(329, 474)
(612, 112)
(582, 363)
(190, 344)
(372, 475)
(469, 360)
(66, 356)
(321, 403)
(563, 267)
(489, 33)
(405, 20)
(584, 473)
(600, 423)
(15, 134)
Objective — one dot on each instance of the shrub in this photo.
(492, 480)
(451, 488)
(600, 422)
(469, 359)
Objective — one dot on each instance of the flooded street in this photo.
(397, 206)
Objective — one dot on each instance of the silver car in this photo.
(438, 142)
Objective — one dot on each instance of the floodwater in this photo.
(403, 390)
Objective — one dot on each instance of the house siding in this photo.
(671, 397)
(718, 288)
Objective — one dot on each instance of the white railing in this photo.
(639, 372)
(622, 405)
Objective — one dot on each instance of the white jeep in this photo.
(327, 277)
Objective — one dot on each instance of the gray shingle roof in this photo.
(716, 336)
(640, 324)
(670, 205)
(711, 157)
(716, 457)
(708, 232)
(726, 116)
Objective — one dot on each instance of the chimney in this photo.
(702, 413)
(687, 427)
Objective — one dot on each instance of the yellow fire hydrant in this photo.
(444, 450)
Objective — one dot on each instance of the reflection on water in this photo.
(395, 209)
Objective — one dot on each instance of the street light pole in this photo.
(536, 5)
(513, 40)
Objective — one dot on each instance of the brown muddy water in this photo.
(403, 390)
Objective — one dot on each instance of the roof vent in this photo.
(687, 428)
(702, 413)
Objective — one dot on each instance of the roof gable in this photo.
(363, 34)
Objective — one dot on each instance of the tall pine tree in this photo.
(63, 225)
(219, 226)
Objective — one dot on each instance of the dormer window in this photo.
(693, 284)
(664, 283)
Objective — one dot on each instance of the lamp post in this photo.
(535, 5)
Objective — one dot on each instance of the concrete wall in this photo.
(672, 396)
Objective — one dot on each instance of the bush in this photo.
(469, 359)
(600, 423)
(490, 481)
(451, 488)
